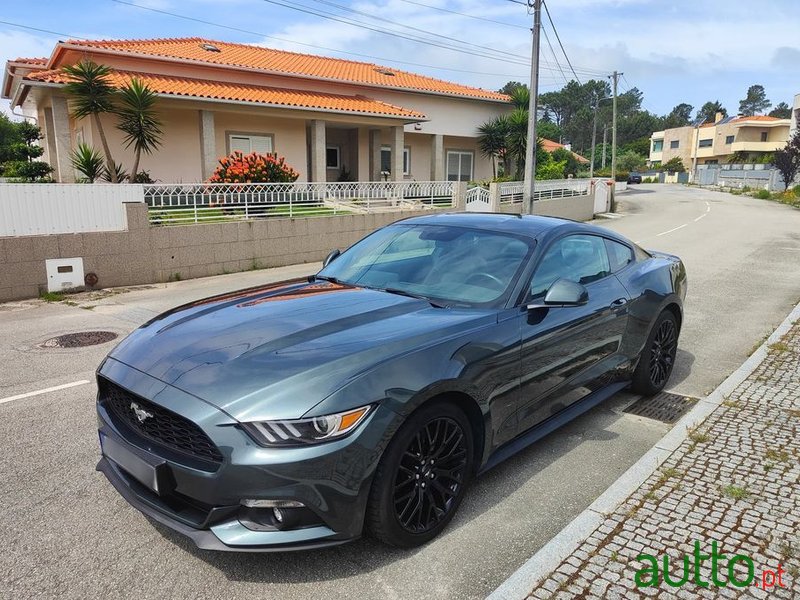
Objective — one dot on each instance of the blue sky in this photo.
(678, 51)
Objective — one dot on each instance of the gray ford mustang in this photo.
(366, 398)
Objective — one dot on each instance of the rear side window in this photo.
(619, 255)
(579, 258)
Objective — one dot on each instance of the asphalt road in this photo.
(66, 533)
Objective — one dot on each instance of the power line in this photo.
(388, 32)
(553, 25)
(460, 14)
(507, 58)
(549, 45)
(315, 46)
(412, 28)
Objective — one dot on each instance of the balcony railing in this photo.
(180, 204)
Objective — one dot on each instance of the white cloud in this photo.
(21, 44)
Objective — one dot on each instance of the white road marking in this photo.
(671, 230)
(708, 210)
(45, 391)
(788, 248)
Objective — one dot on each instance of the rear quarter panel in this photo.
(654, 284)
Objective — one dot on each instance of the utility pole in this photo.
(605, 135)
(533, 106)
(594, 139)
(615, 77)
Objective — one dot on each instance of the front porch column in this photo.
(397, 152)
(208, 144)
(375, 155)
(362, 171)
(318, 143)
(58, 124)
(437, 157)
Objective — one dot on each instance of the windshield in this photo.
(451, 265)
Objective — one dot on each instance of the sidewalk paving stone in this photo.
(734, 480)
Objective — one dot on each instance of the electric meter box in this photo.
(64, 273)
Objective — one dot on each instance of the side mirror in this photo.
(564, 292)
(331, 257)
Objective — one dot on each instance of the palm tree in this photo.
(517, 137)
(521, 97)
(88, 162)
(138, 121)
(492, 140)
(93, 95)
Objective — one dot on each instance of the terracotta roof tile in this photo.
(551, 146)
(201, 88)
(289, 63)
(31, 61)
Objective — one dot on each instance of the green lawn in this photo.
(185, 216)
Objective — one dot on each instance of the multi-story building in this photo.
(795, 116)
(730, 139)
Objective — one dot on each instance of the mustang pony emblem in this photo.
(140, 413)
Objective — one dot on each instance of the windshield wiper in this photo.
(400, 292)
(331, 279)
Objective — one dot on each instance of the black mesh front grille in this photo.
(158, 424)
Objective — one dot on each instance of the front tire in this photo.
(658, 357)
(422, 477)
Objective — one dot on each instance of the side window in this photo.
(579, 258)
(619, 255)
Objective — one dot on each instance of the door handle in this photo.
(619, 302)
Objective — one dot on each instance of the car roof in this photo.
(537, 227)
(528, 225)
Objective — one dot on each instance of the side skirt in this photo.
(534, 434)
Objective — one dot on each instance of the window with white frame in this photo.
(459, 165)
(332, 157)
(247, 143)
(386, 160)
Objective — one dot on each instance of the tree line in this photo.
(567, 116)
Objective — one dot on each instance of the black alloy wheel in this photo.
(662, 352)
(422, 476)
(658, 357)
(430, 475)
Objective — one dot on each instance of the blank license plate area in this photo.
(144, 472)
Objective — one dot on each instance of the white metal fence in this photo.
(41, 208)
(511, 191)
(177, 204)
(478, 199)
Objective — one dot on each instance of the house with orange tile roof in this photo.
(728, 139)
(330, 118)
(551, 146)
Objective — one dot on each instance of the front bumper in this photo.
(331, 480)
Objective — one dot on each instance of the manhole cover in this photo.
(664, 407)
(79, 340)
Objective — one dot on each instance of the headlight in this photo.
(299, 432)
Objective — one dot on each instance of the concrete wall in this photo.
(146, 254)
(577, 208)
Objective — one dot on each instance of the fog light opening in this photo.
(279, 515)
(261, 503)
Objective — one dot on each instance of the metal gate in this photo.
(477, 200)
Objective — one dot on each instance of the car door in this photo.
(566, 352)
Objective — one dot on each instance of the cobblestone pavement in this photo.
(735, 480)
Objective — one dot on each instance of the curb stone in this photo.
(550, 556)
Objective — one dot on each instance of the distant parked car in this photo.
(634, 178)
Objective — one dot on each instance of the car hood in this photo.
(275, 352)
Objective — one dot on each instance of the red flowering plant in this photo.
(253, 168)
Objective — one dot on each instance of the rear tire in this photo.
(422, 477)
(658, 357)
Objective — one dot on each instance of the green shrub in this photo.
(796, 190)
(763, 195)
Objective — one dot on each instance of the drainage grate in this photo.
(79, 340)
(664, 407)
